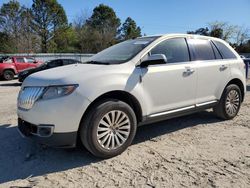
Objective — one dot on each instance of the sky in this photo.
(165, 16)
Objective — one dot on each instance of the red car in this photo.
(11, 66)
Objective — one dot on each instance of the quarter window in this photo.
(224, 50)
(175, 50)
(216, 52)
(30, 60)
(202, 49)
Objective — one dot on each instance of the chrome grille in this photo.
(28, 96)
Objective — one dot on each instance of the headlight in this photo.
(58, 91)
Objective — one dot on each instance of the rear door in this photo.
(31, 62)
(20, 63)
(212, 71)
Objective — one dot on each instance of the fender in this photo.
(6, 66)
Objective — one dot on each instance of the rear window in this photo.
(224, 50)
(202, 49)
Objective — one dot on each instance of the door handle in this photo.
(223, 67)
(188, 71)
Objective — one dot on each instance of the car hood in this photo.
(70, 74)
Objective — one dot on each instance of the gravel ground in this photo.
(192, 151)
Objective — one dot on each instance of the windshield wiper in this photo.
(97, 62)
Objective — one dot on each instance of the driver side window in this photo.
(175, 50)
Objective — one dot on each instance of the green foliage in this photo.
(44, 28)
(104, 19)
(48, 17)
(10, 21)
(129, 29)
(217, 32)
(5, 41)
(65, 40)
(200, 31)
(101, 29)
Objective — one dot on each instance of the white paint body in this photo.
(158, 88)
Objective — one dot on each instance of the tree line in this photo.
(44, 27)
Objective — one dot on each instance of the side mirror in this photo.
(154, 59)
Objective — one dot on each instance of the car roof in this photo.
(22, 57)
(182, 35)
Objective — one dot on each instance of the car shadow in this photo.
(11, 84)
(20, 158)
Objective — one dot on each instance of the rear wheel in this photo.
(109, 128)
(8, 75)
(230, 102)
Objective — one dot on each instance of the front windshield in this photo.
(121, 52)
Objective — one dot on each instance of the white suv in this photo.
(135, 82)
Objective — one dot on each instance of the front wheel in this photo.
(230, 102)
(108, 129)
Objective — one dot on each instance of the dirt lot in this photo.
(193, 151)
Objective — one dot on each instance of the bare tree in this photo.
(226, 31)
(242, 35)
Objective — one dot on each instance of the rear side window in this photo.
(175, 50)
(224, 50)
(69, 61)
(55, 63)
(202, 49)
(20, 60)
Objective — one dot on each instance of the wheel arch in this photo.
(124, 96)
(9, 69)
(239, 83)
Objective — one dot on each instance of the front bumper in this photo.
(62, 115)
(44, 134)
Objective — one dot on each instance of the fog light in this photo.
(45, 131)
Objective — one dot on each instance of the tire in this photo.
(230, 102)
(8, 75)
(92, 130)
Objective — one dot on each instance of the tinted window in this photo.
(216, 52)
(55, 63)
(175, 50)
(202, 49)
(20, 60)
(69, 61)
(224, 50)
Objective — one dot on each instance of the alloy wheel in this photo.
(232, 102)
(113, 129)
